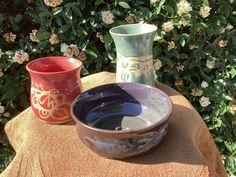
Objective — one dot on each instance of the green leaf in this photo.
(98, 2)
(182, 42)
(91, 53)
(44, 14)
(230, 146)
(42, 44)
(58, 21)
(43, 36)
(108, 40)
(219, 139)
(1, 18)
(123, 4)
(77, 11)
(18, 18)
(64, 28)
(227, 97)
(158, 8)
(232, 72)
(205, 2)
(168, 8)
(57, 10)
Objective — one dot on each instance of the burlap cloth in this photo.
(44, 150)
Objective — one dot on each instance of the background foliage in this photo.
(194, 52)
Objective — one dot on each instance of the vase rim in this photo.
(78, 65)
(150, 28)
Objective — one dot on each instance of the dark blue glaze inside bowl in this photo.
(121, 107)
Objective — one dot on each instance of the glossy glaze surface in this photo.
(122, 119)
(55, 82)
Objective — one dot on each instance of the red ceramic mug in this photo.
(55, 82)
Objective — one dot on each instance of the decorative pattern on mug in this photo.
(134, 69)
(50, 103)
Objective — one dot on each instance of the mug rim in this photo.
(56, 72)
(154, 28)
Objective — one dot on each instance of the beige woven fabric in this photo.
(44, 150)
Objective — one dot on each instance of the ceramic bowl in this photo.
(121, 120)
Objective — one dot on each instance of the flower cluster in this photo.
(20, 57)
(204, 84)
(9, 37)
(232, 107)
(100, 36)
(2, 109)
(73, 51)
(204, 101)
(130, 18)
(53, 3)
(183, 7)
(211, 63)
(107, 17)
(222, 43)
(204, 11)
(196, 92)
(168, 26)
(54, 39)
(171, 45)
(157, 64)
(33, 36)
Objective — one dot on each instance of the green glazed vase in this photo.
(133, 44)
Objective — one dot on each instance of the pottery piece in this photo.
(134, 52)
(121, 120)
(55, 82)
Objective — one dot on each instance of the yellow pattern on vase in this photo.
(50, 103)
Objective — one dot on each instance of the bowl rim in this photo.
(170, 103)
(29, 69)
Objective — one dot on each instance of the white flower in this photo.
(54, 39)
(167, 26)
(183, 22)
(53, 3)
(2, 109)
(204, 84)
(1, 73)
(211, 63)
(204, 101)
(1, 53)
(6, 114)
(33, 36)
(154, 1)
(183, 7)
(171, 45)
(9, 37)
(204, 11)
(157, 64)
(232, 107)
(130, 18)
(193, 46)
(141, 21)
(197, 92)
(229, 26)
(64, 47)
(221, 30)
(222, 43)
(20, 57)
(107, 17)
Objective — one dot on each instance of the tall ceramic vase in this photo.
(134, 52)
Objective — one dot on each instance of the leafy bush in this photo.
(194, 52)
